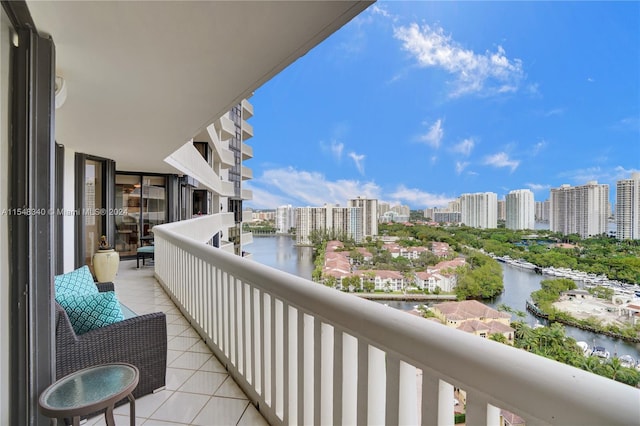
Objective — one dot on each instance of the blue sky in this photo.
(418, 102)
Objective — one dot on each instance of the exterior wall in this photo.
(581, 210)
(628, 208)
(285, 218)
(520, 209)
(480, 210)
(369, 215)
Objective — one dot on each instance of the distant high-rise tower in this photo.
(520, 209)
(334, 220)
(581, 210)
(628, 208)
(369, 215)
(542, 211)
(502, 210)
(285, 218)
(479, 210)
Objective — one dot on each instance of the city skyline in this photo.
(417, 103)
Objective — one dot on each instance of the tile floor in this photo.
(198, 391)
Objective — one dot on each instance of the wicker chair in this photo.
(141, 341)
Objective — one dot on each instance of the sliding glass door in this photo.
(140, 205)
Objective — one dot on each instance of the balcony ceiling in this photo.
(144, 77)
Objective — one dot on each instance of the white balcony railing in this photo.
(307, 354)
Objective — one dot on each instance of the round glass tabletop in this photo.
(91, 387)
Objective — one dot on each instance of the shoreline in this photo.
(405, 297)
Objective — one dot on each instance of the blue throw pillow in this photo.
(90, 311)
(77, 282)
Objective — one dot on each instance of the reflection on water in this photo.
(280, 252)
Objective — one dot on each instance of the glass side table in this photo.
(89, 390)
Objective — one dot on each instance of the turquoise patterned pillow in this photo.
(78, 282)
(90, 311)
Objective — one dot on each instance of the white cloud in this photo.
(465, 147)
(501, 159)
(358, 159)
(597, 173)
(536, 187)
(433, 137)
(303, 188)
(487, 73)
(460, 166)
(418, 198)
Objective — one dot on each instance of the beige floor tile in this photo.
(190, 360)
(230, 389)
(146, 405)
(176, 377)
(180, 343)
(213, 365)
(203, 382)
(181, 407)
(221, 411)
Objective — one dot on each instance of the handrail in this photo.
(321, 324)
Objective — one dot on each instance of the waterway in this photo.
(281, 253)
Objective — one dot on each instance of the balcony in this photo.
(307, 354)
(246, 238)
(247, 131)
(247, 173)
(226, 127)
(220, 150)
(247, 152)
(247, 194)
(198, 386)
(247, 109)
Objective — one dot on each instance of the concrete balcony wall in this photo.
(247, 194)
(246, 238)
(305, 353)
(247, 109)
(188, 161)
(247, 215)
(247, 152)
(225, 127)
(247, 173)
(220, 149)
(247, 130)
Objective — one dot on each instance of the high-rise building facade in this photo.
(369, 215)
(285, 219)
(502, 210)
(479, 210)
(542, 211)
(334, 220)
(520, 209)
(581, 210)
(628, 208)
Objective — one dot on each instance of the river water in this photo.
(281, 253)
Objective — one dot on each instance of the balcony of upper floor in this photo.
(219, 149)
(247, 109)
(247, 173)
(225, 127)
(247, 151)
(247, 130)
(247, 194)
(247, 215)
(246, 238)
